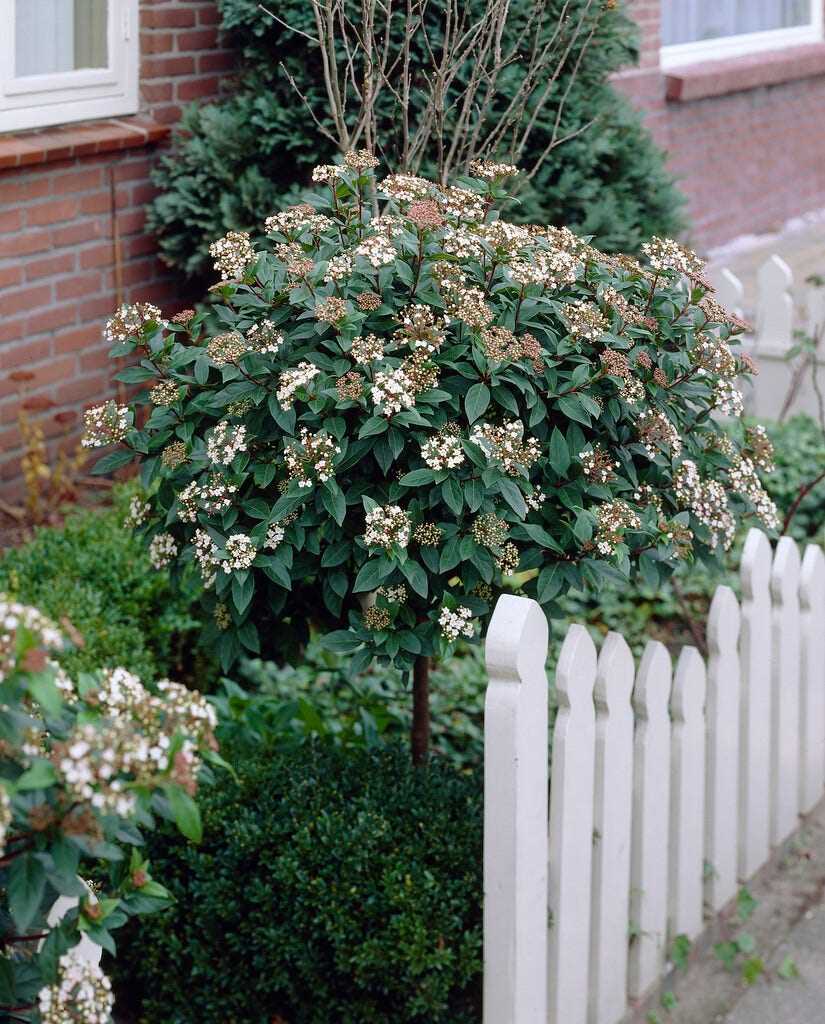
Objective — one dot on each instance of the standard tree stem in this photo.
(420, 732)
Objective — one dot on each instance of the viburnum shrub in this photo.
(84, 766)
(409, 402)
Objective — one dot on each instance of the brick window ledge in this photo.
(737, 74)
(24, 149)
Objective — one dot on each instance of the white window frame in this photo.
(680, 54)
(39, 101)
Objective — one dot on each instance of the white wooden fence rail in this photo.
(666, 789)
(779, 306)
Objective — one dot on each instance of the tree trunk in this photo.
(420, 733)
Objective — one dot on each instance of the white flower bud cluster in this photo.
(421, 329)
(598, 465)
(206, 555)
(129, 321)
(614, 517)
(585, 320)
(311, 453)
(82, 995)
(656, 429)
(213, 495)
(665, 254)
(232, 255)
(443, 451)
(393, 391)
(535, 500)
(274, 535)
(387, 525)
(745, 480)
(15, 616)
(505, 444)
(138, 511)
(707, 500)
(405, 188)
(264, 338)
(377, 250)
(367, 349)
(226, 441)
(291, 381)
(456, 622)
(163, 549)
(489, 170)
(394, 594)
(105, 424)
(240, 552)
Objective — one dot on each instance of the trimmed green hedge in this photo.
(331, 886)
(94, 572)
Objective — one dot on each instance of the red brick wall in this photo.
(58, 276)
(748, 160)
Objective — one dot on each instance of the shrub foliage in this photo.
(403, 412)
(245, 153)
(330, 886)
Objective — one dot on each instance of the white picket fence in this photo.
(780, 306)
(667, 789)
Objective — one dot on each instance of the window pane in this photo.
(689, 21)
(60, 35)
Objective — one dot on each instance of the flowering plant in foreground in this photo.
(84, 766)
(410, 403)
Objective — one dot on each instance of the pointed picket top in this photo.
(812, 678)
(785, 690)
(730, 291)
(815, 307)
(687, 796)
(775, 307)
(515, 814)
(755, 704)
(651, 796)
(613, 805)
(722, 752)
(571, 830)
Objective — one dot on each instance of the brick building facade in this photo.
(72, 237)
(743, 135)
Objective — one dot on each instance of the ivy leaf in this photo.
(476, 401)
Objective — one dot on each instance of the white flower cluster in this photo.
(387, 525)
(138, 511)
(535, 500)
(213, 495)
(456, 622)
(311, 453)
(665, 254)
(550, 268)
(296, 219)
(226, 441)
(489, 170)
(377, 250)
(240, 552)
(264, 338)
(129, 321)
(327, 173)
(206, 555)
(393, 391)
(105, 424)
(15, 616)
(462, 242)
(745, 480)
(443, 451)
(656, 429)
(462, 203)
(405, 188)
(394, 594)
(727, 398)
(163, 549)
(707, 500)
(339, 268)
(506, 444)
(5, 816)
(291, 381)
(82, 995)
(232, 255)
(598, 465)
(274, 535)
(613, 518)
(367, 349)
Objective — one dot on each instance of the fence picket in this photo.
(515, 815)
(571, 830)
(812, 678)
(785, 690)
(651, 794)
(774, 308)
(687, 796)
(611, 828)
(755, 705)
(722, 726)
